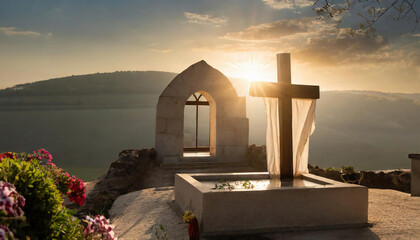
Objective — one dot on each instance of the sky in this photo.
(47, 39)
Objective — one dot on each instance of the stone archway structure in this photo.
(228, 122)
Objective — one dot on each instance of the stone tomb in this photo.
(235, 203)
(311, 202)
(228, 122)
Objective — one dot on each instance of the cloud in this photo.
(318, 42)
(12, 31)
(344, 48)
(279, 29)
(206, 19)
(165, 50)
(288, 4)
(236, 47)
(411, 34)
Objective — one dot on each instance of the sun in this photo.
(252, 69)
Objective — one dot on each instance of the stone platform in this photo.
(322, 204)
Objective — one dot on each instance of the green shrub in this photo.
(332, 169)
(65, 226)
(46, 216)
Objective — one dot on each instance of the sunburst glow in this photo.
(252, 69)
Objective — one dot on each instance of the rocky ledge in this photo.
(399, 179)
(124, 175)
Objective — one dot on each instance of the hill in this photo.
(99, 90)
(120, 82)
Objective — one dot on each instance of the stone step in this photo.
(196, 159)
(198, 165)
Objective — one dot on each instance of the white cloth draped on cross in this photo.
(303, 126)
(290, 113)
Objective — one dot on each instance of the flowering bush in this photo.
(68, 185)
(98, 228)
(43, 186)
(45, 215)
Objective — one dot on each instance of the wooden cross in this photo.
(284, 90)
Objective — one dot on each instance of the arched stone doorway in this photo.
(229, 134)
(197, 100)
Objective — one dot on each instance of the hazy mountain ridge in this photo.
(99, 90)
(120, 82)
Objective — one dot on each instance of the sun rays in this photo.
(251, 69)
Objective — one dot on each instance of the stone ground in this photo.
(392, 215)
(136, 215)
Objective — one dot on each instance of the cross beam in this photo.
(284, 91)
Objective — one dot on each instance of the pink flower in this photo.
(99, 226)
(21, 201)
(11, 202)
(51, 164)
(3, 231)
(41, 154)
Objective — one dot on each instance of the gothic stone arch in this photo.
(228, 122)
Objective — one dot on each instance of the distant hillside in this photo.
(99, 90)
(120, 82)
